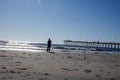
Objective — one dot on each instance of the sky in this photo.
(38, 20)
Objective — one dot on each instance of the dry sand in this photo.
(21, 65)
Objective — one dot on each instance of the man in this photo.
(49, 45)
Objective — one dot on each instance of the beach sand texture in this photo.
(21, 65)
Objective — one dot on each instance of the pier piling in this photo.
(98, 45)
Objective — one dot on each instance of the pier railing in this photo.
(97, 44)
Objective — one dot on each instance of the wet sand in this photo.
(21, 65)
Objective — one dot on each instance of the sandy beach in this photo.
(22, 65)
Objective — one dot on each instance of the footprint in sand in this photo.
(24, 53)
(18, 62)
(12, 71)
(3, 78)
(65, 79)
(101, 70)
(22, 68)
(117, 65)
(69, 57)
(47, 74)
(97, 75)
(87, 71)
(4, 68)
(66, 69)
(29, 54)
(43, 78)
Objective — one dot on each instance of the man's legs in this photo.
(49, 49)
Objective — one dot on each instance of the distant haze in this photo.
(38, 20)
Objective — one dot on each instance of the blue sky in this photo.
(38, 20)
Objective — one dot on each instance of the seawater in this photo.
(7, 45)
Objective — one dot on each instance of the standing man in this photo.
(49, 45)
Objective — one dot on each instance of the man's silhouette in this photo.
(48, 45)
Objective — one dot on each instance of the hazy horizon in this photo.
(38, 20)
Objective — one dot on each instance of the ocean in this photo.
(41, 47)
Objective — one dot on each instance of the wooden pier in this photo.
(97, 45)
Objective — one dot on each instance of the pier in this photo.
(98, 45)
